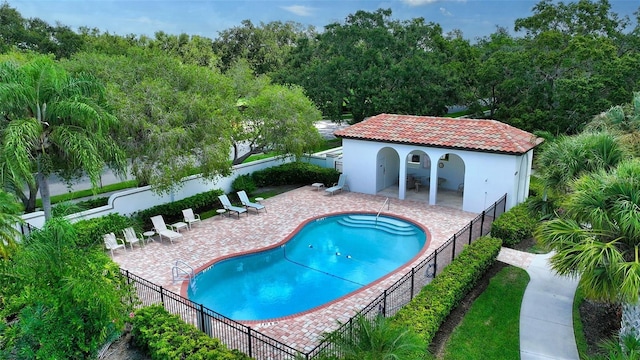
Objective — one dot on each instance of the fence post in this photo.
(130, 292)
(162, 295)
(495, 209)
(453, 253)
(413, 275)
(504, 203)
(435, 263)
(384, 304)
(250, 348)
(482, 224)
(471, 231)
(202, 327)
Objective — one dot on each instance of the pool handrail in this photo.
(388, 203)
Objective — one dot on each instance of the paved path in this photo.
(546, 320)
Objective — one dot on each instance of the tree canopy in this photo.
(53, 123)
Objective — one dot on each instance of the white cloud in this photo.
(445, 12)
(426, 2)
(299, 10)
(419, 2)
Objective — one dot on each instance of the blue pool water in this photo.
(327, 259)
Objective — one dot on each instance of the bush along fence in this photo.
(259, 346)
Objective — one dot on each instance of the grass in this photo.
(578, 331)
(328, 144)
(489, 330)
(89, 192)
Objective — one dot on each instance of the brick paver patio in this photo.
(221, 236)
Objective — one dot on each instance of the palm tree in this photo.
(10, 211)
(598, 239)
(55, 123)
(568, 157)
(623, 121)
(375, 339)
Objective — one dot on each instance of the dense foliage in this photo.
(429, 309)
(515, 225)
(90, 231)
(294, 173)
(64, 301)
(167, 336)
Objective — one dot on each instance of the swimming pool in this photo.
(326, 259)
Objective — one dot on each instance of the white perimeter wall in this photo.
(130, 201)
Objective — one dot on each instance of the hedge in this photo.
(172, 211)
(515, 225)
(90, 231)
(428, 310)
(294, 173)
(166, 336)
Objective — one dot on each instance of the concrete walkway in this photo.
(546, 320)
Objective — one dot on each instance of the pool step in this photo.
(389, 225)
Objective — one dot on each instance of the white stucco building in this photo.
(477, 160)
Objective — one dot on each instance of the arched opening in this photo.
(451, 181)
(387, 169)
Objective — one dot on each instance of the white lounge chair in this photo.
(161, 229)
(341, 184)
(131, 237)
(190, 217)
(111, 242)
(244, 199)
(230, 208)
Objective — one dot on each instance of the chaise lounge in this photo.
(342, 183)
(161, 229)
(244, 199)
(226, 203)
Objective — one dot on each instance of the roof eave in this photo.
(440, 146)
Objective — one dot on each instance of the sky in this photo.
(475, 18)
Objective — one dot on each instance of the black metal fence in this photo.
(260, 346)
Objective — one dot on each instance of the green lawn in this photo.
(490, 329)
(89, 192)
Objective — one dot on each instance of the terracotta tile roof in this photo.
(465, 134)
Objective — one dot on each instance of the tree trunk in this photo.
(31, 201)
(45, 195)
(630, 323)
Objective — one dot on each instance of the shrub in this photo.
(90, 231)
(166, 336)
(68, 300)
(426, 312)
(515, 225)
(244, 182)
(172, 211)
(294, 173)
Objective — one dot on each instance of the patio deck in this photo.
(222, 236)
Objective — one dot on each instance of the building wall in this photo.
(486, 176)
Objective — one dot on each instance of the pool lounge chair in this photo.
(190, 217)
(131, 237)
(161, 229)
(111, 242)
(230, 208)
(244, 199)
(341, 184)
